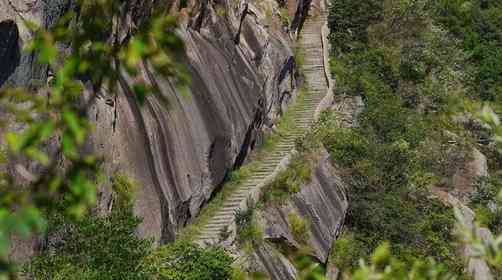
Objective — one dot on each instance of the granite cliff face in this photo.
(240, 57)
(322, 202)
(243, 74)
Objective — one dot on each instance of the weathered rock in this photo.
(22, 69)
(181, 152)
(464, 179)
(322, 202)
(466, 175)
(19, 68)
(269, 260)
(476, 267)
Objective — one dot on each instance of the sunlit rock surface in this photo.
(322, 203)
(243, 76)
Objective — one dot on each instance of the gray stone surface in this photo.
(475, 167)
(269, 260)
(322, 202)
(467, 173)
(18, 68)
(180, 151)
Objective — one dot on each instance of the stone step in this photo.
(215, 226)
(221, 218)
(239, 197)
(228, 210)
(207, 231)
(269, 167)
(303, 117)
(211, 235)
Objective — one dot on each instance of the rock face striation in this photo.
(240, 58)
(243, 75)
(322, 203)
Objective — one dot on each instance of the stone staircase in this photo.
(302, 114)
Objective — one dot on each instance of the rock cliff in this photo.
(243, 74)
(240, 58)
(322, 203)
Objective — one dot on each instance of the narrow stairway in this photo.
(310, 43)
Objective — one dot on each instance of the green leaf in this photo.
(48, 50)
(72, 120)
(135, 52)
(4, 243)
(46, 130)
(12, 140)
(381, 256)
(69, 146)
(35, 154)
(140, 91)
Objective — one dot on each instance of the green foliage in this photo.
(284, 15)
(346, 146)
(61, 119)
(185, 261)
(349, 21)
(290, 180)
(248, 230)
(299, 55)
(477, 24)
(347, 251)
(390, 58)
(125, 189)
(95, 247)
(299, 226)
(487, 206)
(384, 266)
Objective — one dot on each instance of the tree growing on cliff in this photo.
(42, 158)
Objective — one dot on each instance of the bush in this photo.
(289, 181)
(477, 24)
(186, 261)
(248, 231)
(484, 200)
(349, 21)
(347, 251)
(346, 146)
(393, 61)
(299, 227)
(95, 247)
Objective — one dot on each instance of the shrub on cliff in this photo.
(95, 247)
(186, 261)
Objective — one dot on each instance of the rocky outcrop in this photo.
(476, 267)
(268, 260)
(464, 179)
(468, 172)
(322, 203)
(20, 68)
